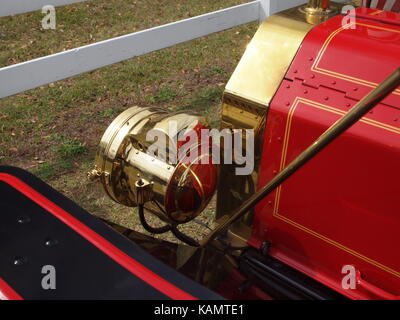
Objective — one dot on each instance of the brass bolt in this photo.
(94, 174)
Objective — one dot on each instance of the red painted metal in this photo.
(342, 208)
(101, 243)
(390, 17)
(8, 293)
(350, 60)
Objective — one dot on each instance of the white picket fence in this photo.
(37, 72)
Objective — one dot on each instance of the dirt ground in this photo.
(53, 131)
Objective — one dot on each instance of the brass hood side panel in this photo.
(270, 53)
(251, 89)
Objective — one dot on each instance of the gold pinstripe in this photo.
(338, 75)
(276, 213)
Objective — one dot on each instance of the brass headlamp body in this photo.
(176, 191)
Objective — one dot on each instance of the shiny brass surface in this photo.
(355, 114)
(144, 191)
(252, 87)
(132, 175)
(319, 4)
(122, 159)
(269, 54)
(318, 7)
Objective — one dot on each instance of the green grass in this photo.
(46, 170)
(107, 113)
(70, 149)
(53, 131)
(66, 154)
(217, 69)
(164, 95)
(206, 97)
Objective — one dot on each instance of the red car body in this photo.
(342, 208)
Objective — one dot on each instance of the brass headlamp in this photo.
(175, 181)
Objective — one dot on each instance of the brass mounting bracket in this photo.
(144, 191)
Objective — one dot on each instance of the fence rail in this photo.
(10, 7)
(34, 73)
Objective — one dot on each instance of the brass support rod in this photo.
(355, 114)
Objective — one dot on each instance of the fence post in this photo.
(265, 10)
